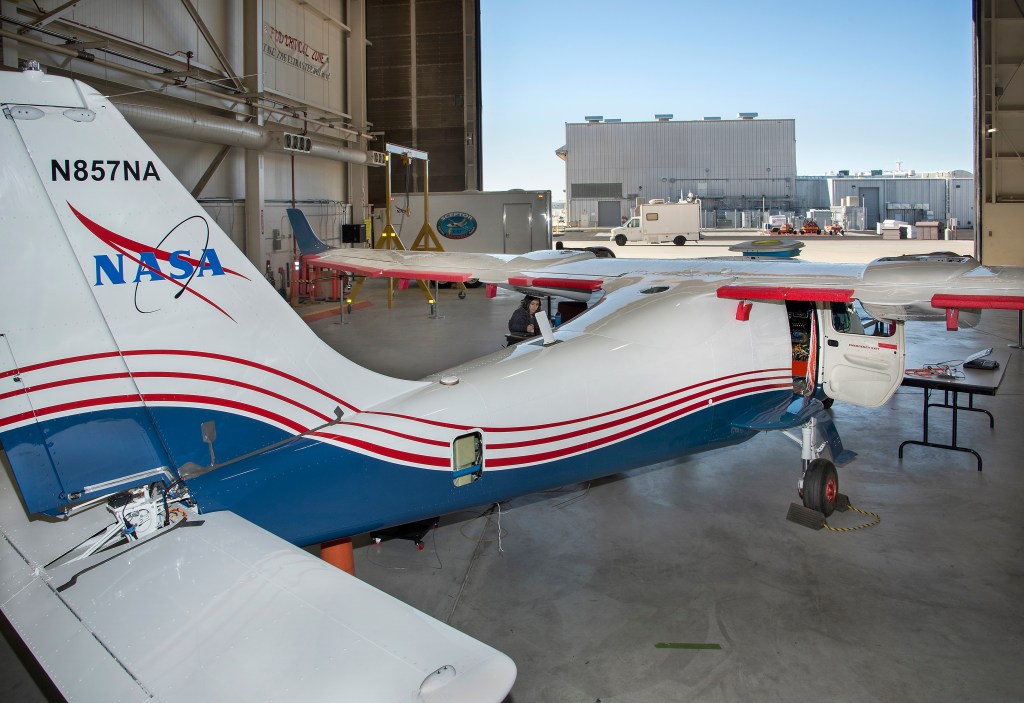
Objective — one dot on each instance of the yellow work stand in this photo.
(426, 240)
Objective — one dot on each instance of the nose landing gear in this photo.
(818, 487)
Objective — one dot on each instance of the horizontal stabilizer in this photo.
(234, 612)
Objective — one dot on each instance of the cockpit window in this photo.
(852, 318)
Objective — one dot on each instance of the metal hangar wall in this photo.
(741, 164)
(216, 88)
(999, 130)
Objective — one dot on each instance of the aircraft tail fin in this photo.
(308, 242)
(135, 337)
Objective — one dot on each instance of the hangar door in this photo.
(869, 199)
(609, 213)
(517, 219)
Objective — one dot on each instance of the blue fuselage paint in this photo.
(309, 491)
(344, 492)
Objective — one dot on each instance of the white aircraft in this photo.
(173, 430)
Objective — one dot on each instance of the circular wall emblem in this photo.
(456, 225)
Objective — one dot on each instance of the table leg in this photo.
(955, 406)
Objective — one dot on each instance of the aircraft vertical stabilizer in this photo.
(127, 307)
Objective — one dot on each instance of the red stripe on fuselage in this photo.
(179, 352)
(64, 407)
(587, 418)
(629, 418)
(387, 451)
(577, 448)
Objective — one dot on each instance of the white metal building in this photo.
(908, 196)
(732, 165)
(741, 169)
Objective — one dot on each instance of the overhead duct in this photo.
(185, 124)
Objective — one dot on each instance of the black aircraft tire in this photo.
(821, 486)
(679, 241)
(621, 240)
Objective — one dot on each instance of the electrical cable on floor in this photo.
(575, 499)
(485, 514)
(878, 519)
(469, 567)
(499, 529)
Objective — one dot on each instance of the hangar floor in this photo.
(580, 585)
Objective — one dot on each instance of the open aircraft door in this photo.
(862, 359)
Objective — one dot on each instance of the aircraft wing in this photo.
(929, 287)
(544, 272)
(215, 608)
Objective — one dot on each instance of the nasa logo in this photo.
(456, 225)
(181, 262)
(167, 261)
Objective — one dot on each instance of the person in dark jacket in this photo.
(523, 321)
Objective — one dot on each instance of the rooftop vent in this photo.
(663, 118)
(746, 115)
(712, 119)
(594, 118)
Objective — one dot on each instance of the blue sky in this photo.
(869, 83)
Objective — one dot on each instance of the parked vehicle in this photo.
(658, 222)
(774, 222)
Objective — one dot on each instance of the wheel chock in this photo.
(802, 515)
(805, 516)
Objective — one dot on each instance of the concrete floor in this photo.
(580, 585)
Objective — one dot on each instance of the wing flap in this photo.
(380, 271)
(238, 614)
(577, 284)
(451, 277)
